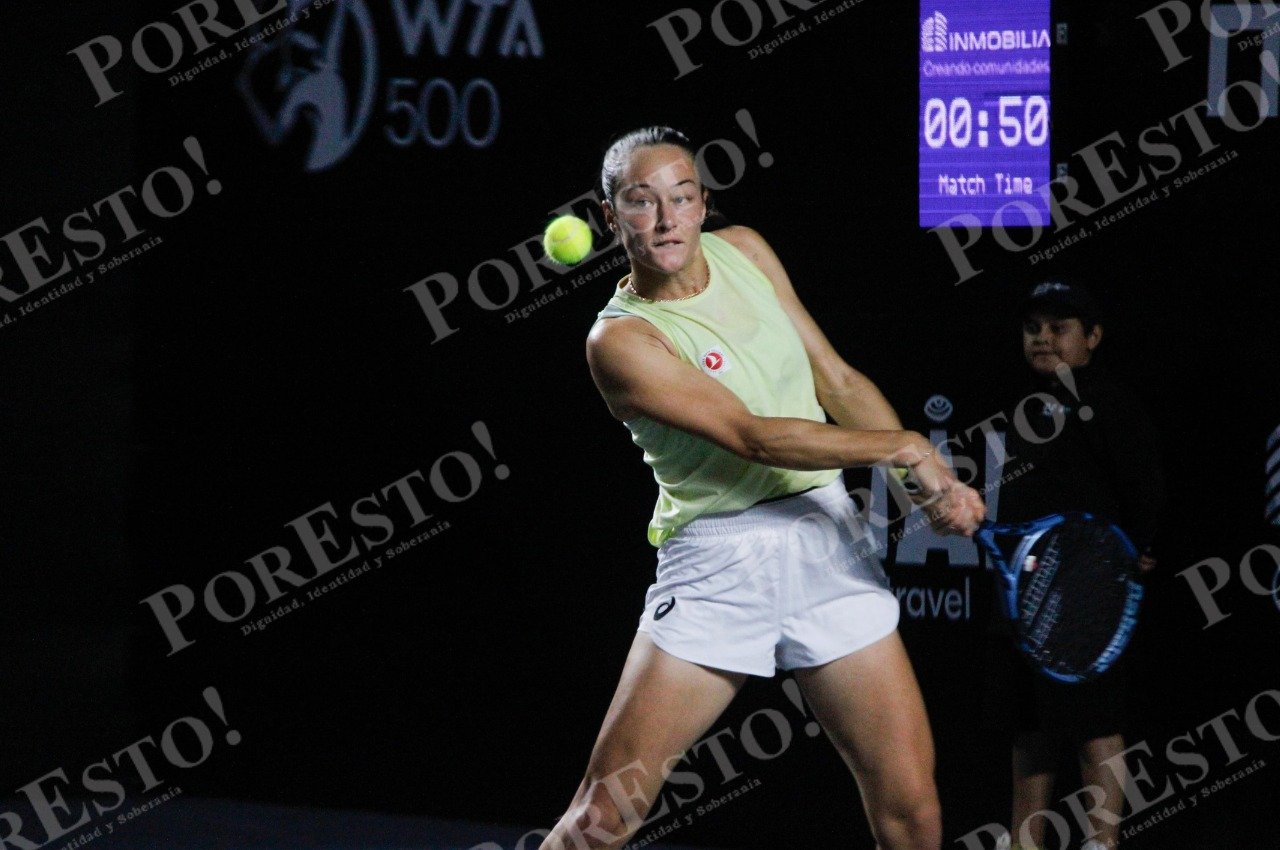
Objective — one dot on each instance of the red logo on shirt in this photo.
(714, 362)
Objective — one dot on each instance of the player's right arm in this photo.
(638, 375)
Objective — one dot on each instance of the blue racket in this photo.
(1070, 587)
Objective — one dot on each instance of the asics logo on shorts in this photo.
(664, 609)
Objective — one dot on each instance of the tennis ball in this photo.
(567, 240)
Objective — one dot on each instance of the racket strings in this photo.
(1071, 604)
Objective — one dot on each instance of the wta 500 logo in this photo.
(318, 60)
(324, 67)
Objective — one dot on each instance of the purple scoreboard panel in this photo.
(984, 112)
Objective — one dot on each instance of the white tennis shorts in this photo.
(795, 582)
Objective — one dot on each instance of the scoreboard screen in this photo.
(984, 111)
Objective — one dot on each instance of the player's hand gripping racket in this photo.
(1069, 587)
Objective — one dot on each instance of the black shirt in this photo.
(1094, 452)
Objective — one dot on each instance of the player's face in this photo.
(1048, 340)
(659, 207)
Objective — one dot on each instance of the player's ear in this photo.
(610, 219)
(1094, 337)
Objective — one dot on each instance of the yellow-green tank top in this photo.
(734, 330)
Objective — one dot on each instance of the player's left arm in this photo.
(846, 394)
(849, 396)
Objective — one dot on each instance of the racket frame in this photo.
(1008, 572)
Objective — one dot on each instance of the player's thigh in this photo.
(869, 703)
(662, 706)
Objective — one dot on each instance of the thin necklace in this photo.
(630, 287)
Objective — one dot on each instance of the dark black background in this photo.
(164, 423)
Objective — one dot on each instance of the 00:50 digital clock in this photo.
(1021, 119)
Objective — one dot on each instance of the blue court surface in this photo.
(206, 824)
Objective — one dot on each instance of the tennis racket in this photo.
(1069, 587)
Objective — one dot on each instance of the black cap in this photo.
(1061, 299)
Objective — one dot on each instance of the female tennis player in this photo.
(706, 354)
